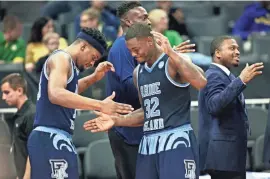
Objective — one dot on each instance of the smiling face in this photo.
(228, 53)
(141, 48)
(135, 15)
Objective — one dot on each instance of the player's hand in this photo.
(113, 108)
(249, 72)
(102, 69)
(163, 42)
(102, 123)
(185, 47)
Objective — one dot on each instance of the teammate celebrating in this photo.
(168, 148)
(51, 151)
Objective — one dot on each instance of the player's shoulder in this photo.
(120, 41)
(60, 57)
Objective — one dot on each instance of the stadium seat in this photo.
(5, 137)
(71, 32)
(211, 26)
(99, 161)
(257, 154)
(195, 10)
(204, 43)
(260, 44)
(194, 119)
(26, 31)
(260, 86)
(233, 11)
(7, 167)
(257, 121)
(82, 138)
(248, 162)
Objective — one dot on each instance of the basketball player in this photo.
(51, 151)
(168, 148)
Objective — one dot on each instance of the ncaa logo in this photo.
(59, 167)
(190, 167)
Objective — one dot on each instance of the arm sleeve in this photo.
(29, 54)
(124, 64)
(219, 95)
(29, 122)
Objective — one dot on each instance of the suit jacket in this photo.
(223, 122)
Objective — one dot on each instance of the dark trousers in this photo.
(125, 156)
(215, 174)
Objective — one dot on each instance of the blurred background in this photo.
(30, 31)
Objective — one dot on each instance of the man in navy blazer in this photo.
(223, 123)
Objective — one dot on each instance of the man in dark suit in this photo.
(223, 123)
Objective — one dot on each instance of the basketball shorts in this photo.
(168, 154)
(52, 154)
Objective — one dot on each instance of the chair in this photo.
(257, 121)
(7, 167)
(195, 10)
(71, 32)
(26, 31)
(99, 161)
(204, 43)
(210, 26)
(233, 11)
(260, 86)
(257, 154)
(5, 137)
(248, 161)
(82, 138)
(260, 44)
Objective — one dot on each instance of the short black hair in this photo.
(97, 35)
(216, 43)
(15, 80)
(127, 6)
(138, 30)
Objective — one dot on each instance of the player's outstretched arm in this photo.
(27, 173)
(181, 64)
(105, 122)
(58, 70)
(99, 73)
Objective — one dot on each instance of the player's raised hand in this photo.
(249, 72)
(163, 42)
(185, 47)
(101, 123)
(102, 69)
(114, 108)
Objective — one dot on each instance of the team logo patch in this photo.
(190, 167)
(14, 47)
(161, 65)
(59, 167)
